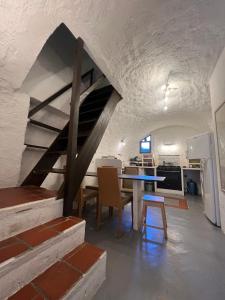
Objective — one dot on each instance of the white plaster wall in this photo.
(131, 129)
(137, 44)
(217, 91)
(174, 135)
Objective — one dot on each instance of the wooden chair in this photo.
(84, 196)
(127, 185)
(154, 201)
(95, 186)
(110, 194)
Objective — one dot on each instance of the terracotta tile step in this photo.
(56, 281)
(24, 194)
(27, 240)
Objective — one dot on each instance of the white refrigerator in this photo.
(203, 147)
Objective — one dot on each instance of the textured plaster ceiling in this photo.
(152, 42)
(136, 43)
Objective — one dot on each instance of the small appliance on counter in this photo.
(194, 163)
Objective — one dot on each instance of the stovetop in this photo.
(168, 168)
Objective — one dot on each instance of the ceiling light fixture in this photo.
(166, 89)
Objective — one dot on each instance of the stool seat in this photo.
(153, 198)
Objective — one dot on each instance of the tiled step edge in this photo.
(16, 219)
(77, 276)
(18, 271)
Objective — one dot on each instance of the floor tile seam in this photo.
(73, 268)
(39, 290)
(30, 247)
(6, 246)
(75, 251)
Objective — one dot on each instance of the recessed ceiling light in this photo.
(165, 108)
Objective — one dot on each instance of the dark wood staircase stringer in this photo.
(80, 165)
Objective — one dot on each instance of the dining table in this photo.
(137, 181)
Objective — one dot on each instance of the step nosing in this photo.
(43, 282)
(39, 290)
(32, 248)
(2, 209)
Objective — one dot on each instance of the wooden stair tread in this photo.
(71, 268)
(27, 240)
(88, 121)
(101, 92)
(88, 111)
(36, 146)
(36, 102)
(61, 152)
(57, 170)
(43, 125)
(20, 195)
(92, 104)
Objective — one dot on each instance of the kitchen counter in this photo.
(154, 167)
(186, 172)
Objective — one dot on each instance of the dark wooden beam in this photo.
(73, 130)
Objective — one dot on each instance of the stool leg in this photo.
(145, 212)
(143, 217)
(132, 213)
(164, 220)
(119, 231)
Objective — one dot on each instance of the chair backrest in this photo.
(128, 184)
(108, 187)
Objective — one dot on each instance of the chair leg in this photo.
(97, 207)
(119, 231)
(110, 211)
(164, 221)
(99, 214)
(132, 214)
(80, 207)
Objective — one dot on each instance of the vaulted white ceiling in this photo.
(139, 44)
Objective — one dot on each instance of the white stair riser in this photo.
(89, 284)
(16, 219)
(23, 269)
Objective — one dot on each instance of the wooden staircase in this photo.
(90, 113)
(43, 255)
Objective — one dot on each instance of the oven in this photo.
(173, 179)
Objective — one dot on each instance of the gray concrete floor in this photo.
(190, 265)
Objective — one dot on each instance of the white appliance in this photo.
(203, 147)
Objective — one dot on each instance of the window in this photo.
(145, 145)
